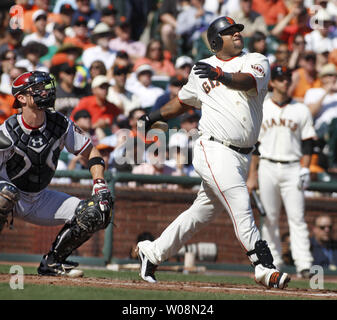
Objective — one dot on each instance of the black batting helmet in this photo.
(216, 27)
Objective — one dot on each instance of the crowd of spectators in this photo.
(114, 59)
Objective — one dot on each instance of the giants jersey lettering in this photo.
(227, 114)
(283, 129)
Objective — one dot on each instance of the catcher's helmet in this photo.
(216, 27)
(44, 96)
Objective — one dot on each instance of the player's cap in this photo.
(109, 10)
(328, 69)
(34, 47)
(39, 14)
(323, 16)
(101, 30)
(66, 9)
(189, 117)
(121, 69)
(144, 68)
(280, 72)
(67, 68)
(107, 143)
(122, 54)
(98, 81)
(123, 23)
(82, 114)
(80, 21)
(178, 81)
(183, 61)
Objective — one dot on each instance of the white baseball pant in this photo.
(46, 208)
(223, 172)
(277, 183)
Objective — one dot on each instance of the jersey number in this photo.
(209, 85)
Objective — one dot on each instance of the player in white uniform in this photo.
(30, 144)
(285, 147)
(229, 87)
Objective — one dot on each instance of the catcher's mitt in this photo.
(89, 215)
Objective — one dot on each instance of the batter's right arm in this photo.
(170, 110)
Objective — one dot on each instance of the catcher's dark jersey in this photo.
(31, 159)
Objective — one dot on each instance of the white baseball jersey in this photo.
(231, 115)
(282, 130)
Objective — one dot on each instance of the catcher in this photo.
(30, 145)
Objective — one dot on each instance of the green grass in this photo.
(55, 292)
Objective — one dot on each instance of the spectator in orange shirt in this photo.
(304, 77)
(29, 26)
(287, 31)
(6, 106)
(155, 57)
(272, 10)
(102, 112)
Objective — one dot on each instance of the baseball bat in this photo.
(258, 203)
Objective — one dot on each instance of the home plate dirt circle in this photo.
(177, 286)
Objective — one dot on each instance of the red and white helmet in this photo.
(29, 80)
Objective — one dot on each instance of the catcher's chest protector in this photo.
(35, 157)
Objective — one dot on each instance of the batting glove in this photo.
(304, 178)
(144, 122)
(205, 70)
(101, 190)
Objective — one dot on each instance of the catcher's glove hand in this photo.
(103, 193)
(89, 215)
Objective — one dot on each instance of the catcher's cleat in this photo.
(48, 267)
(271, 278)
(147, 268)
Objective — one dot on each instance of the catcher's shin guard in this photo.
(9, 196)
(88, 219)
(265, 272)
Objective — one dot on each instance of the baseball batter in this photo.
(229, 87)
(285, 148)
(30, 144)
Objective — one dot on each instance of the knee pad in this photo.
(9, 196)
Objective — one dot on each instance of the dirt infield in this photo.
(177, 286)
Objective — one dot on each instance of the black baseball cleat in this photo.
(305, 274)
(49, 267)
(147, 268)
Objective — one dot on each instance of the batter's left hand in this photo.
(205, 70)
(304, 178)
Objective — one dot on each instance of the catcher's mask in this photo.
(42, 90)
(216, 27)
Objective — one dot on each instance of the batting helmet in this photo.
(216, 27)
(43, 97)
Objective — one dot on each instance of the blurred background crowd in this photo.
(115, 60)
